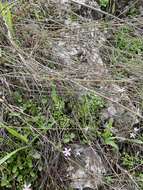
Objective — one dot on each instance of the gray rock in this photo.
(87, 168)
(77, 51)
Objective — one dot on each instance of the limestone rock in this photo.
(87, 168)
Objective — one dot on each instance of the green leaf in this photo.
(1, 139)
(16, 134)
(4, 182)
(20, 167)
(72, 135)
(68, 137)
(111, 142)
(104, 3)
(66, 140)
(16, 114)
(6, 14)
(19, 178)
(36, 155)
(32, 174)
(15, 174)
(9, 155)
(29, 163)
(136, 141)
(14, 169)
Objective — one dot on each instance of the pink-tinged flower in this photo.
(67, 152)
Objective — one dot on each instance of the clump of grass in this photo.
(31, 122)
(126, 40)
(124, 56)
(126, 52)
(20, 168)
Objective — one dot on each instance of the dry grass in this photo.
(31, 64)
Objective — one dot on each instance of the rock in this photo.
(77, 51)
(87, 168)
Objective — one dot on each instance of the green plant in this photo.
(133, 12)
(125, 41)
(140, 179)
(108, 137)
(21, 165)
(18, 159)
(17, 166)
(9, 155)
(88, 109)
(109, 179)
(130, 161)
(104, 3)
(20, 168)
(58, 108)
(127, 51)
(5, 10)
(69, 137)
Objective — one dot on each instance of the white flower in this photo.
(77, 153)
(132, 135)
(27, 186)
(136, 129)
(67, 152)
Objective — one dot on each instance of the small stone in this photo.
(112, 111)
